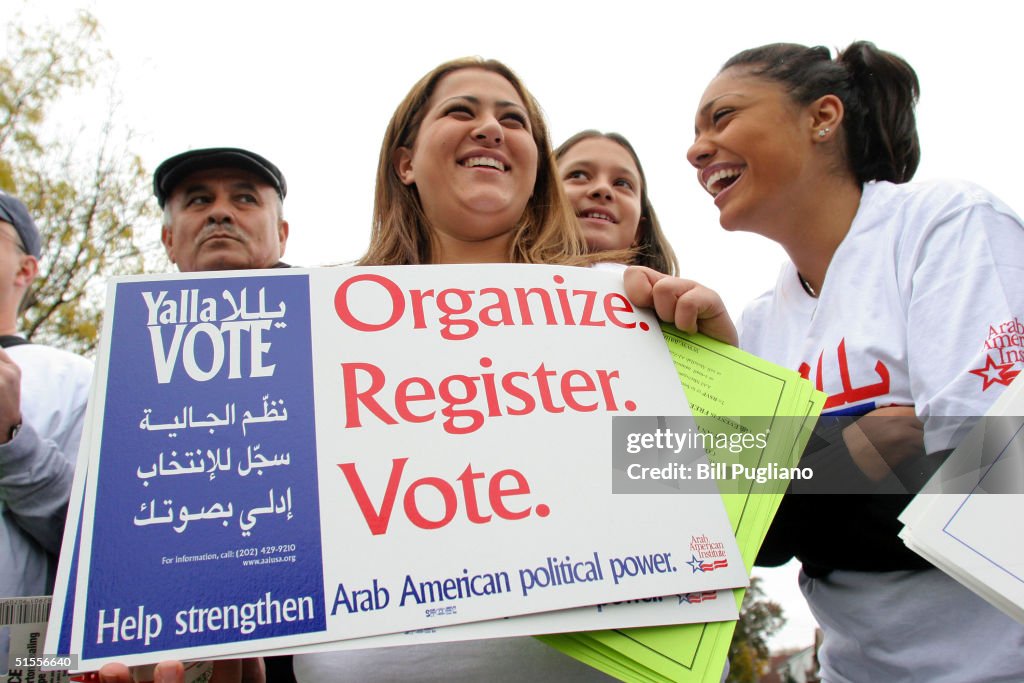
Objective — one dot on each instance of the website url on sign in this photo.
(268, 560)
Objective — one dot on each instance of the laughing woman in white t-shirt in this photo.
(890, 295)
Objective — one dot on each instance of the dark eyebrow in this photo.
(703, 111)
(468, 98)
(623, 171)
(588, 165)
(476, 100)
(510, 105)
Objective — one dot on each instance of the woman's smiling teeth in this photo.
(473, 162)
(721, 179)
(600, 215)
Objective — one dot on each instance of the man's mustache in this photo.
(220, 229)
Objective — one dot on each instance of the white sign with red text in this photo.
(348, 452)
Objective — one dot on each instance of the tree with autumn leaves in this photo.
(759, 620)
(85, 189)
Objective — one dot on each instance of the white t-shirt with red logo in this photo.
(923, 305)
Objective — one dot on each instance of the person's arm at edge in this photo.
(35, 485)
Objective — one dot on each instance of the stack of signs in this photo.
(962, 521)
(278, 459)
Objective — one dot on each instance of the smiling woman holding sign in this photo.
(466, 176)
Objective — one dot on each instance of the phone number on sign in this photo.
(265, 550)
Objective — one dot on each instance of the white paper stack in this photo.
(966, 521)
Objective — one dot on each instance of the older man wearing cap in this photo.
(43, 392)
(223, 209)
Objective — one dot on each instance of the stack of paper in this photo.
(963, 521)
(727, 389)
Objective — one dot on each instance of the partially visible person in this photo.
(43, 395)
(605, 182)
(221, 671)
(223, 209)
(893, 303)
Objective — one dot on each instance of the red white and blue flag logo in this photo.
(698, 597)
(701, 565)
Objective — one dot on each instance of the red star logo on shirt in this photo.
(995, 373)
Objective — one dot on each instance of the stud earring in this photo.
(822, 133)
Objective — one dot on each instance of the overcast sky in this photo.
(311, 86)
